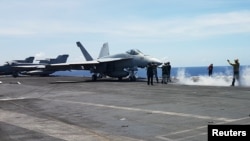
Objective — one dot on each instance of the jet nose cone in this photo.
(156, 61)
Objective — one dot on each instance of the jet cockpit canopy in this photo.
(134, 52)
(8, 63)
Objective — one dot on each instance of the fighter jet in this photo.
(118, 65)
(42, 71)
(21, 67)
(6, 69)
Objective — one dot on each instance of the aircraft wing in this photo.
(27, 67)
(87, 65)
(106, 60)
(72, 66)
(77, 63)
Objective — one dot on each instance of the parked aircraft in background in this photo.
(118, 65)
(42, 71)
(20, 67)
(6, 69)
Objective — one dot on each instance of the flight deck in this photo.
(77, 109)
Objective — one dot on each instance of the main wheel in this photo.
(120, 78)
(94, 77)
(132, 78)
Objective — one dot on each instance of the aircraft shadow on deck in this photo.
(101, 80)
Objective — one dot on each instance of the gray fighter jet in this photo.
(41, 70)
(118, 65)
(16, 67)
(7, 69)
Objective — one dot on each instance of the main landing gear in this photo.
(132, 75)
(94, 77)
(132, 78)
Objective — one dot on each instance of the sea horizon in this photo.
(189, 71)
(222, 75)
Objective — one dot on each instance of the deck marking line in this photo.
(145, 110)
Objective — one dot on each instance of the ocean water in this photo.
(222, 75)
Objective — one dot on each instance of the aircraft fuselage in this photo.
(121, 68)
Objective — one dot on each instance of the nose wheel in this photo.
(132, 76)
(15, 74)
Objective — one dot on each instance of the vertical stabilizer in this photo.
(26, 60)
(29, 59)
(60, 59)
(104, 50)
(84, 52)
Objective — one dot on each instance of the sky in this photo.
(184, 32)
